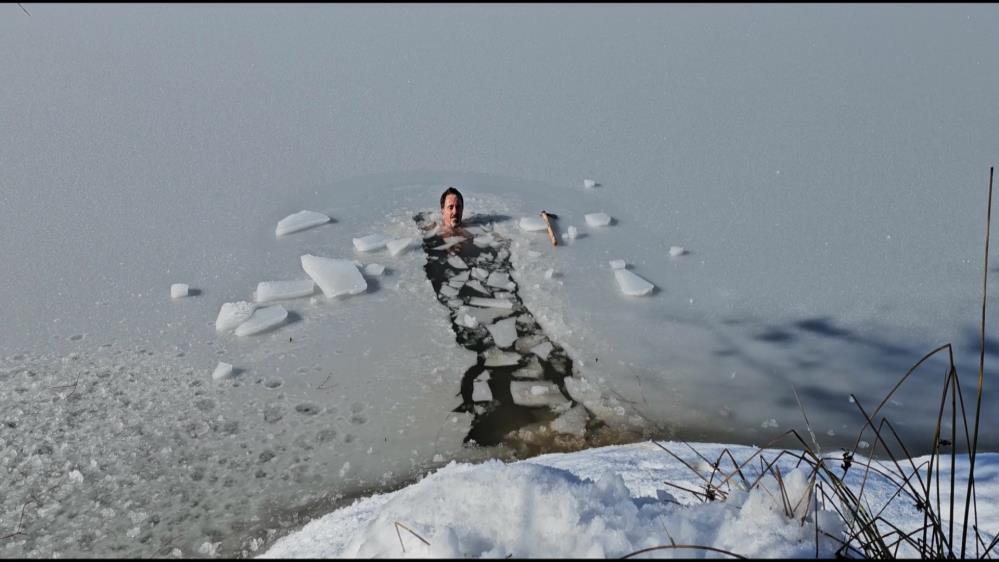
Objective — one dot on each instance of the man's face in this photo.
(451, 211)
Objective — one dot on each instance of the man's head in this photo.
(452, 205)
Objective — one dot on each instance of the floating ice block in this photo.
(334, 276)
(233, 314)
(262, 319)
(631, 284)
(490, 303)
(178, 290)
(504, 332)
(396, 247)
(371, 242)
(597, 219)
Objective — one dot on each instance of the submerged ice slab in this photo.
(268, 291)
(232, 314)
(178, 290)
(597, 219)
(371, 242)
(532, 224)
(334, 276)
(299, 221)
(631, 284)
(497, 358)
(536, 393)
(504, 332)
(397, 246)
(262, 319)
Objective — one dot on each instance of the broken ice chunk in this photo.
(490, 303)
(456, 283)
(631, 284)
(484, 240)
(467, 320)
(276, 290)
(597, 219)
(533, 254)
(449, 291)
(222, 370)
(497, 358)
(463, 276)
(478, 287)
(571, 233)
(262, 319)
(178, 290)
(536, 393)
(334, 276)
(498, 279)
(233, 314)
(675, 251)
(456, 262)
(549, 273)
(481, 392)
(371, 242)
(395, 247)
(299, 221)
(504, 332)
(485, 315)
(590, 184)
(572, 422)
(374, 269)
(532, 224)
(533, 370)
(542, 350)
(480, 273)
(618, 264)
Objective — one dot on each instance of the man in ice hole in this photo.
(452, 205)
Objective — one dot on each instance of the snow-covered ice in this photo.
(334, 276)
(632, 284)
(268, 291)
(232, 314)
(178, 290)
(371, 242)
(299, 221)
(597, 219)
(263, 319)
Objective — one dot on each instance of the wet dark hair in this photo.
(452, 191)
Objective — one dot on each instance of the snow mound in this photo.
(334, 276)
(397, 246)
(232, 314)
(632, 284)
(263, 319)
(532, 224)
(597, 219)
(371, 242)
(178, 290)
(268, 291)
(299, 221)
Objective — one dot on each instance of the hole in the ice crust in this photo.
(273, 383)
(518, 377)
(307, 409)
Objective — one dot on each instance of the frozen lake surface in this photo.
(823, 168)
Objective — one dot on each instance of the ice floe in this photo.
(371, 242)
(597, 219)
(542, 350)
(262, 319)
(334, 276)
(178, 290)
(232, 314)
(475, 284)
(299, 221)
(500, 280)
(481, 391)
(480, 273)
(573, 422)
(497, 358)
(532, 224)
(397, 246)
(268, 291)
(449, 291)
(631, 284)
(504, 332)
